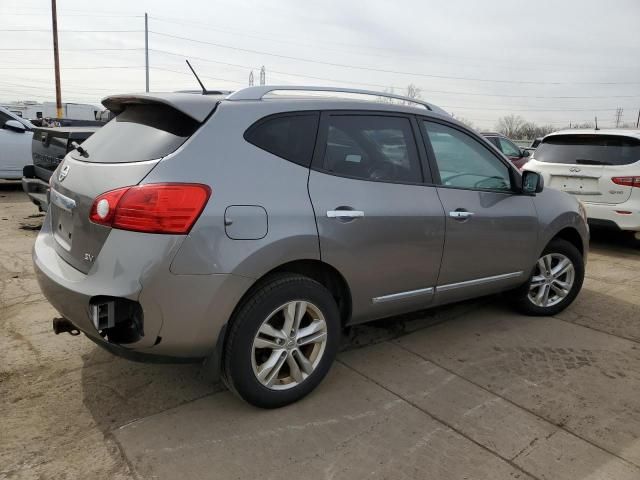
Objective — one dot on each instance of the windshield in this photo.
(584, 149)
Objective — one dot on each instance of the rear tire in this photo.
(555, 281)
(282, 341)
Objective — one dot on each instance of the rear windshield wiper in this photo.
(586, 161)
(79, 148)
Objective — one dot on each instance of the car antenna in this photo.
(204, 90)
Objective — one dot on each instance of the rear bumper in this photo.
(182, 314)
(38, 191)
(610, 214)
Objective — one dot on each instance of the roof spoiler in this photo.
(198, 107)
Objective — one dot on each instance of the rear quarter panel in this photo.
(241, 174)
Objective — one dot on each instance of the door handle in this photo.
(345, 213)
(461, 214)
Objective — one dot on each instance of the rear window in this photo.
(140, 132)
(589, 150)
(291, 137)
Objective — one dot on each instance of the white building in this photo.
(33, 110)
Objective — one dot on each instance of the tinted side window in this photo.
(372, 147)
(291, 137)
(508, 148)
(464, 162)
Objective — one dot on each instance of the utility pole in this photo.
(56, 59)
(618, 116)
(146, 50)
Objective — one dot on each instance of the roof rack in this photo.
(258, 92)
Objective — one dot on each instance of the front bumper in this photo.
(183, 314)
(603, 214)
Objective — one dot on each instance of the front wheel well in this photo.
(572, 236)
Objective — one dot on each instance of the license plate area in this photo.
(62, 222)
(576, 185)
(62, 208)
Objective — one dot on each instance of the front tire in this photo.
(555, 282)
(282, 341)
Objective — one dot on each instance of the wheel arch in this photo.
(322, 272)
(572, 236)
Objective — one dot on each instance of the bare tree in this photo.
(413, 91)
(464, 120)
(510, 125)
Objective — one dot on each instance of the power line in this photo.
(73, 68)
(382, 70)
(450, 92)
(70, 49)
(48, 30)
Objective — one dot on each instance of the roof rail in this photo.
(257, 92)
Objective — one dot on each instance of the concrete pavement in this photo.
(469, 391)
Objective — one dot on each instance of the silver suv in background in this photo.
(601, 168)
(250, 228)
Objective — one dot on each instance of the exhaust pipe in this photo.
(62, 325)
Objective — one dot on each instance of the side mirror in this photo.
(14, 126)
(532, 182)
(525, 153)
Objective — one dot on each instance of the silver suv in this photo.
(249, 228)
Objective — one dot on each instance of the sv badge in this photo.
(88, 257)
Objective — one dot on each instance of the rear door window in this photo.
(583, 149)
(372, 147)
(140, 132)
(291, 136)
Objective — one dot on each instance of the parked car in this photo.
(601, 168)
(15, 144)
(49, 146)
(518, 156)
(251, 231)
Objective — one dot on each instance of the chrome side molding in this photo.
(403, 295)
(444, 288)
(478, 281)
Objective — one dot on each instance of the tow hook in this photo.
(62, 325)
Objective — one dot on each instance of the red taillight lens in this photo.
(153, 208)
(627, 181)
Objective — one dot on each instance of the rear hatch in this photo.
(120, 154)
(584, 164)
(50, 145)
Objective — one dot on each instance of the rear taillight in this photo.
(152, 208)
(627, 181)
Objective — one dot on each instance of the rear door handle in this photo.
(345, 213)
(461, 214)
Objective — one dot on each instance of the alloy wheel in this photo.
(552, 280)
(289, 345)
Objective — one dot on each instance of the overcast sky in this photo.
(479, 60)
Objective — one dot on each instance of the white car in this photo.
(601, 168)
(15, 144)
